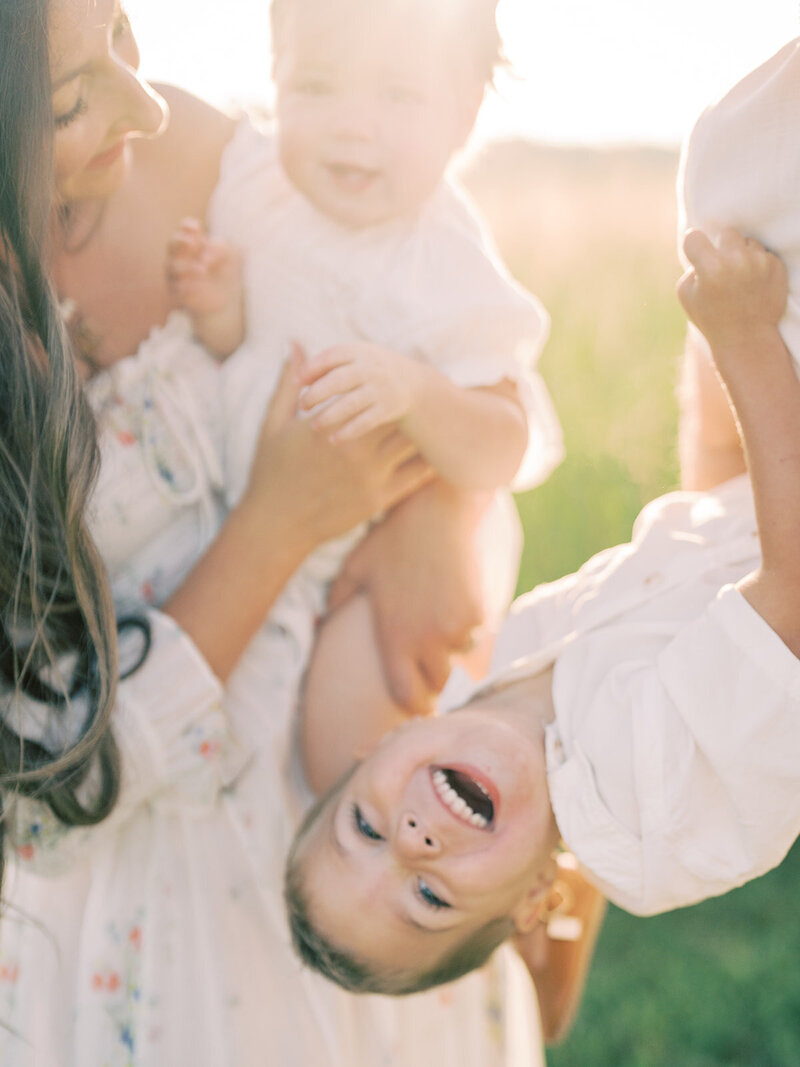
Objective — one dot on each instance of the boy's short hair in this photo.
(358, 975)
(473, 22)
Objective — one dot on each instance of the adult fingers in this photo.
(283, 405)
(406, 479)
(407, 685)
(393, 447)
(435, 665)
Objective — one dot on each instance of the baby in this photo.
(367, 258)
(654, 728)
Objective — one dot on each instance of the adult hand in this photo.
(324, 488)
(421, 569)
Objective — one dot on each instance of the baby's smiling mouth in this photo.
(463, 796)
(350, 177)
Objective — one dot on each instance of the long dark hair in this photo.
(57, 628)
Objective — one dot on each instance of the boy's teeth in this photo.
(456, 803)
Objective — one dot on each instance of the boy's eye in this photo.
(425, 892)
(363, 827)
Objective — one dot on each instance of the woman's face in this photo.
(99, 101)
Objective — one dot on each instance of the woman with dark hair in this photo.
(157, 937)
(57, 621)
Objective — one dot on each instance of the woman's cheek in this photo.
(69, 158)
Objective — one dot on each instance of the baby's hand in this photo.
(204, 275)
(735, 294)
(361, 386)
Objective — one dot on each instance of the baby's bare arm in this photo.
(736, 295)
(205, 279)
(473, 438)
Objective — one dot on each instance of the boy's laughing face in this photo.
(443, 828)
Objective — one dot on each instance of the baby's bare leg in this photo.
(346, 706)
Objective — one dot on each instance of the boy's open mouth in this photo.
(465, 797)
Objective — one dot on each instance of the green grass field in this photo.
(593, 234)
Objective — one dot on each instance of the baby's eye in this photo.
(403, 94)
(363, 827)
(425, 893)
(312, 86)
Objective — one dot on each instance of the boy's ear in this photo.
(534, 906)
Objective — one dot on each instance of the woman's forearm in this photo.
(234, 585)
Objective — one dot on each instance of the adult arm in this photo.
(302, 491)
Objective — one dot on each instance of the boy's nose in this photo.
(414, 839)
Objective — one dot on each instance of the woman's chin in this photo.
(96, 183)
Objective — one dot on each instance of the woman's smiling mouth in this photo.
(464, 796)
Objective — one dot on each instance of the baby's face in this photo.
(443, 828)
(368, 115)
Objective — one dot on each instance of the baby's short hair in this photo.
(346, 969)
(473, 22)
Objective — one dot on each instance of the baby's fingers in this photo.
(325, 362)
(332, 383)
(341, 412)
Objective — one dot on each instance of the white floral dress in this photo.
(157, 939)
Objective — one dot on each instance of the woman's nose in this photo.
(414, 839)
(141, 111)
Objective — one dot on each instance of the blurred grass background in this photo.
(592, 233)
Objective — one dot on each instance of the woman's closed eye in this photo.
(78, 108)
(362, 826)
(428, 897)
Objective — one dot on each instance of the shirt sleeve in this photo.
(174, 746)
(449, 299)
(675, 775)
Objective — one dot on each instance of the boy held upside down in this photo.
(652, 723)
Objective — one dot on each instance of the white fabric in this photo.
(674, 758)
(741, 168)
(157, 939)
(430, 287)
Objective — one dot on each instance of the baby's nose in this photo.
(416, 839)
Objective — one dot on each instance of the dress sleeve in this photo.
(449, 299)
(174, 747)
(676, 776)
